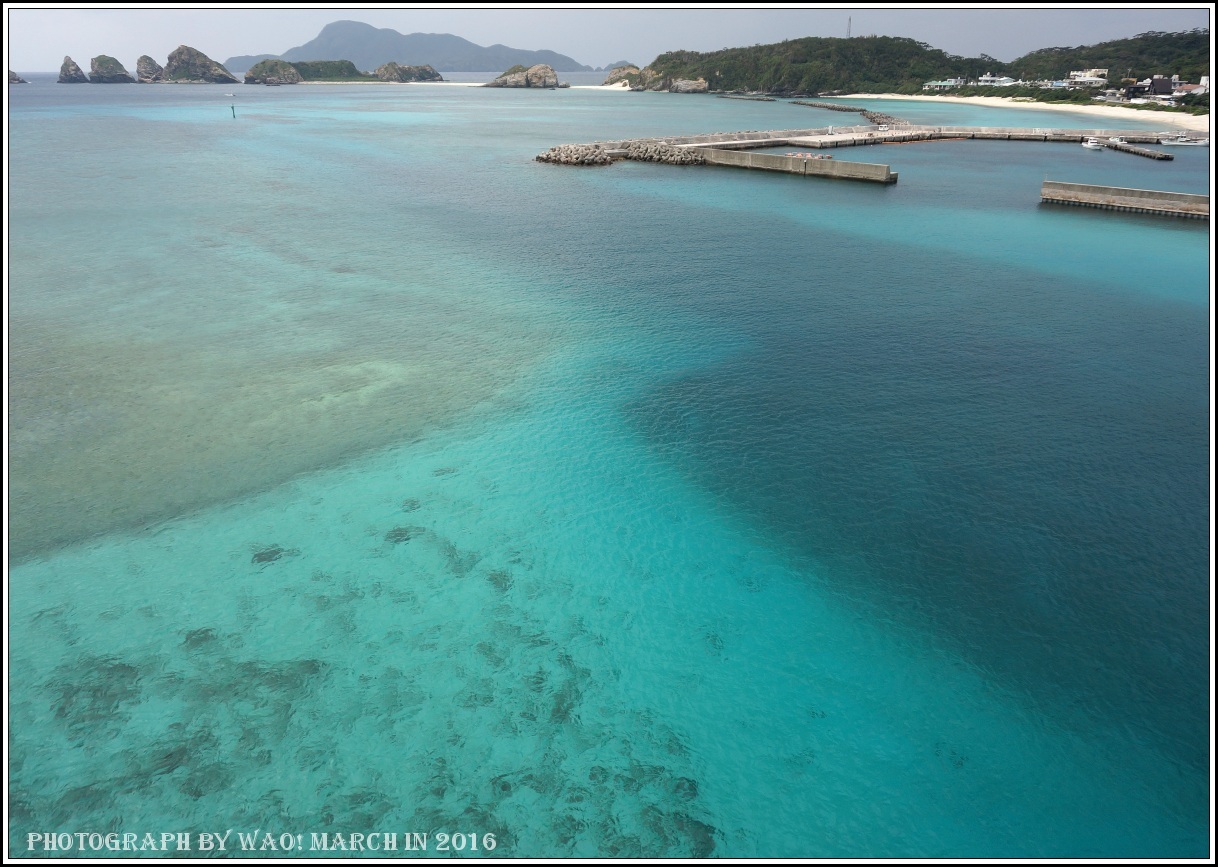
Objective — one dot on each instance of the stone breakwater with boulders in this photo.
(658, 152)
(873, 116)
(640, 151)
(575, 155)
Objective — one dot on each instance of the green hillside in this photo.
(1186, 54)
(330, 70)
(813, 64)
(892, 64)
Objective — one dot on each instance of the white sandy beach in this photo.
(1169, 119)
(620, 87)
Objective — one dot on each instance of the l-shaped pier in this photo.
(730, 149)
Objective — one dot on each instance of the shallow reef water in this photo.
(401, 484)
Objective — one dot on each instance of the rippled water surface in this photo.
(368, 476)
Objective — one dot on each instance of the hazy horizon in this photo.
(39, 38)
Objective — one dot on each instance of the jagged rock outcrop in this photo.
(188, 65)
(540, 75)
(148, 71)
(391, 71)
(14, 78)
(658, 152)
(104, 69)
(686, 85)
(648, 79)
(619, 73)
(70, 73)
(575, 155)
(273, 72)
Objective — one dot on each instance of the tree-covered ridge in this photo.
(330, 70)
(1186, 54)
(893, 64)
(275, 71)
(815, 64)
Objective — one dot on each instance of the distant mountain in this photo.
(367, 47)
(245, 61)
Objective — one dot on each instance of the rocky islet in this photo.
(186, 65)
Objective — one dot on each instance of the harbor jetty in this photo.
(1126, 147)
(807, 166)
(716, 148)
(877, 117)
(1156, 202)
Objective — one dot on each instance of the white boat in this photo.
(1183, 140)
(1092, 144)
(1116, 139)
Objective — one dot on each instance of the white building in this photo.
(1088, 78)
(991, 80)
(946, 84)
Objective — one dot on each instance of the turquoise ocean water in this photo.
(369, 477)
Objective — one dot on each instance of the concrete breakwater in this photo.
(798, 165)
(1137, 151)
(1157, 202)
(715, 148)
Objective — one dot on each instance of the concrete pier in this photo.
(1142, 152)
(1157, 202)
(801, 165)
(722, 148)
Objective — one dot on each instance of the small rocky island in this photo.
(273, 72)
(276, 71)
(14, 78)
(70, 73)
(392, 72)
(186, 65)
(104, 69)
(540, 75)
(148, 71)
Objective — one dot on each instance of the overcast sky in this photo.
(39, 37)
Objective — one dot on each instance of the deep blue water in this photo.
(367, 475)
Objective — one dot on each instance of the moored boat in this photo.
(1182, 140)
(1092, 144)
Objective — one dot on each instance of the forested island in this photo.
(276, 71)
